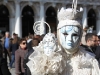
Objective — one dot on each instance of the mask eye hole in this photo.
(75, 34)
(65, 34)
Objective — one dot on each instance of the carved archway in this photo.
(92, 18)
(27, 21)
(4, 19)
(33, 6)
(51, 18)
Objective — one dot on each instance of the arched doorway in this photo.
(27, 21)
(51, 18)
(4, 19)
(92, 19)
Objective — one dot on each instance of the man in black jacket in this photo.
(91, 43)
(3, 64)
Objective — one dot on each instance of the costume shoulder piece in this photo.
(41, 64)
(82, 63)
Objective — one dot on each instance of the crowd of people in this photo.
(58, 53)
(19, 49)
(14, 48)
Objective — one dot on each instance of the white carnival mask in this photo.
(49, 44)
(69, 38)
(69, 28)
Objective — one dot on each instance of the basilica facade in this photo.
(19, 15)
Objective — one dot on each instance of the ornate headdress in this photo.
(37, 25)
(70, 16)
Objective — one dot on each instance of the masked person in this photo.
(69, 32)
(46, 58)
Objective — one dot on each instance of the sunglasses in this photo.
(23, 43)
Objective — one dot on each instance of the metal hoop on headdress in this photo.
(36, 27)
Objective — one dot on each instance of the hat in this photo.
(69, 16)
(14, 34)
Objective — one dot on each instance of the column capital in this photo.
(94, 6)
(42, 2)
(30, 3)
(84, 5)
(17, 1)
(53, 4)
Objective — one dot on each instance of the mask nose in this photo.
(47, 43)
(69, 37)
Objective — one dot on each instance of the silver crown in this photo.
(69, 13)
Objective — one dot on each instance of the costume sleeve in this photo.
(17, 62)
(95, 70)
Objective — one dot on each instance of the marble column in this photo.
(98, 23)
(11, 25)
(18, 26)
(84, 19)
(42, 18)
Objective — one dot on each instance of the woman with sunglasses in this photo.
(19, 57)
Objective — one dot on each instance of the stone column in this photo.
(98, 23)
(36, 18)
(18, 26)
(11, 25)
(42, 18)
(84, 19)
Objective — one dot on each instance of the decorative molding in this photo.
(46, 5)
(37, 4)
(22, 3)
(17, 1)
(94, 6)
(84, 5)
(30, 3)
(54, 4)
(37, 8)
(42, 2)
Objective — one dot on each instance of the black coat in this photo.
(14, 47)
(27, 71)
(97, 53)
(29, 45)
(3, 64)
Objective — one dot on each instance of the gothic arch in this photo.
(92, 18)
(32, 6)
(49, 5)
(4, 19)
(27, 20)
(10, 9)
(91, 7)
(51, 18)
